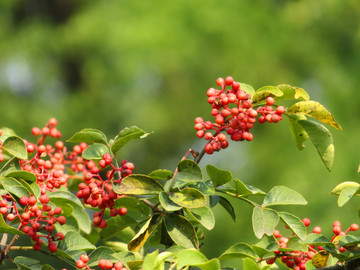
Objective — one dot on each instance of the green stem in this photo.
(241, 198)
(176, 170)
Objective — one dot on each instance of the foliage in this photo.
(163, 214)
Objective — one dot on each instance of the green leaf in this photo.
(295, 243)
(340, 187)
(15, 146)
(264, 221)
(188, 198)
(60, 196)
(26, 263)
(142, 236)
(243, 189)
(267, 245)
(95, 151)
(161, 174)
(318, 240)
(297, 131)
(346, 194)
(349, 240)
(125, 257)
(281, 195)
(15, 187)
(138, 184)
(322, 140)
(4, 228)
(115, 225)
(181, 231)
(10, 166)
(89, 135)
(316, 110)
(126, 135)
(294, 223)
(166, 203)
(75, 241)
(98, 254)
(247, 88)
(228, 207)
(25, 175)
(82, 218)
(151, 262)
(192, 257)
(291, 92)
(249, 264)
(217, 176)
(205, 187)
(203, 215)
(188, 171)
(266, 91)
(136, 209)
(239, 250)
(6, 132)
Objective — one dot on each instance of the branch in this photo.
(349, 265)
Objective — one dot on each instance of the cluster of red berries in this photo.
(97, 192)
(47, 163)
(50, 165)
(103, 264)
(297, 259)
(234, 113)
(36, 220)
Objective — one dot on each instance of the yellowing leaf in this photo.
(142, 236)
(291, 92)
(266, 91)
(316, 110)
(320, 259)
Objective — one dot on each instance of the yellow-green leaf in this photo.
(142, 236)
(316, 110)
(292, 92)
(266, 91)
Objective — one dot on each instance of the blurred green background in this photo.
(112, 64)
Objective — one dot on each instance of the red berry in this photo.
(36, 131)
(229, 80)
(336, 223)
(280, 110)
(102, 263)
(354, 227)
(10, 217)
(44, 199)
(276, 234)
(122, 211)
(52, 122)
(60, 236)
(36, 246)
(80, 264)
(59, 145)
(337, 230)
(24, 200)
(84, 258)
(199, 120)
(52, 247)
(220, 81)
(317, 230)
(306, 222)
(118, 266)
(270, 101)
(61, 220)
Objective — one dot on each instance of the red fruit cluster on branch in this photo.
(50, 166)
(234, 113)
(297, 259)
(36, 220)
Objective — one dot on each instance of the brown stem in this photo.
(151, 205)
